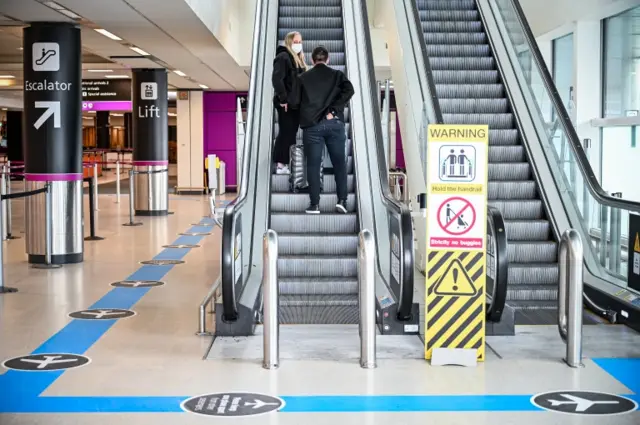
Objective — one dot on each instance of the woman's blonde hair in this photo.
(299, 58)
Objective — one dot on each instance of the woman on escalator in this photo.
(287, 66)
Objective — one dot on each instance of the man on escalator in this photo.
(324, 95)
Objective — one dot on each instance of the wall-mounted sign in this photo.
(107, 106)
(106, 90)
(183, 95)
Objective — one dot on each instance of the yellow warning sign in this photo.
(455, 281)
(636, 246)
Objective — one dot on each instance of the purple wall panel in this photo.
(399, 151)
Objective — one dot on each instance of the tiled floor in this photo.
(143, 367)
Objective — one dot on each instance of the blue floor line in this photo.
(626, 371)
(78, 336)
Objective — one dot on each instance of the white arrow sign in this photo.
(53, 108)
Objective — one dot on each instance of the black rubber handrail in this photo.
(499, 248)
(601, 196)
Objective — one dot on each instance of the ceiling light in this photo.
(7, 76)
(99, 70)
(91, 112)
(202, 86)
(108, 34)
(180, 73)
(117, 76)
(117, 115)
(5, 109)
(139, 50)
(53, 5)
(20, 48)
(70, 14)
(172, 114)
(87, 118)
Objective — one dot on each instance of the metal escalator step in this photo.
(317, 244)
(495, 121)
(309, 22)
(466, 77)
(533, 305)
(280, 183)
(317, 266)
(507, 154)
(298, 202)
(533, 252)
(319, 309)
(468, 63)
(452, 38)
(311, 34)
(511, 190)
(521, 209)
(451, 26)
(474, 106)
(314, 223)
(448, 15)
(318, 286)
(321, 4)
(504, 137)
(458, 50)
(532, 293)
(470, 91)
(528, 230)
(337, 58)
(305, 11)
(530, 273)
(448, 5)
(515, 171)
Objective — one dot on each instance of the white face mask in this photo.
(296, 47)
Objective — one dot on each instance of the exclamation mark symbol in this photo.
(455, 279)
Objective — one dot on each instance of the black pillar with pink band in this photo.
(52, 64)
(150, 141)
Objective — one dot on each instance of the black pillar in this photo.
(150, 117)
(14, 136)
(127, 130)
(52, 102)
(103, 140)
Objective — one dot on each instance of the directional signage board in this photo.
(633, 271)
(457, 165)
(233, 404)
(102, 314)
(584, 403)
(46, 362)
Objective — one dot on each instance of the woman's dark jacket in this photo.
(285, 78)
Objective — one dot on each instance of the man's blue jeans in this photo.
(332, 134)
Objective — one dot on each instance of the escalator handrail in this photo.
(405, 297)
(498, 231)
(431, 97)
(594, 187)
(229, 296)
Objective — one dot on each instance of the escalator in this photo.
(470, 91)
(317, 266)
(477, 62)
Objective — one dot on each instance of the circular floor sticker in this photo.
(162, 262)
(195, 234)
(137, 283)
(584, 403)
(46, 362)
(233, 404)
(181, 246)
(102, 314)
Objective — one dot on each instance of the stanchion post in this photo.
(131, 206)
(3, 203)
(95, 184)
(271, 336)
(3, 289)
(367, 302)
(9, 218)
(48, 230)
(92, 221)
(117, 181)
(570, 292)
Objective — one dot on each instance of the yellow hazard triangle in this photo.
(636, 246)
(455, 281)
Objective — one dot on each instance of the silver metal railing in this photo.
(271, 294)
(210, 298)
(399, 184)
(570, 290)
(367, 299)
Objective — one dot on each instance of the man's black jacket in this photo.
(323, 90)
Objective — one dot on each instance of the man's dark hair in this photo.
(320, 54)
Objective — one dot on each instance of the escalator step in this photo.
(314, 223)
(507, 154)
(320, 4)
(532, 273)
(305, 11)
(466, 77)
(452, 38)
(318, 286)
(448, 15)
(533, 252)
(458, 50)
(309, 22)
(318, 266)
(466, 91)
(495, 121)
(532, 293)
(451, 26)
(521, 209)
(319, 309)
(473, 106)
(298, 202)
(512, 190)
(311, 34)
(504, 137)
(448, 5)
(528, 230)
(470, 63)
(520, 171)
(317, 244)
(280, 183)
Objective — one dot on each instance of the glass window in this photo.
(622, 64)
(562, 65)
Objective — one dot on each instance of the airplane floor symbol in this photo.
(582, 404)
(103, 313)
(48, 360)
(259, 404)
(455, 281)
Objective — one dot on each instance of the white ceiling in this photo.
(169, 30)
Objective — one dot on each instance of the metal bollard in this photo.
(602, 248)
(118, 182)
(3, 203)
(95, 184)
(3, 289)
(9, 224)
(48, 230)
(570, 291)
(271, 293)
(131, 194)
(615, 245)
(367, 301)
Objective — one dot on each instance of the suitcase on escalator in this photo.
(298, 171)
